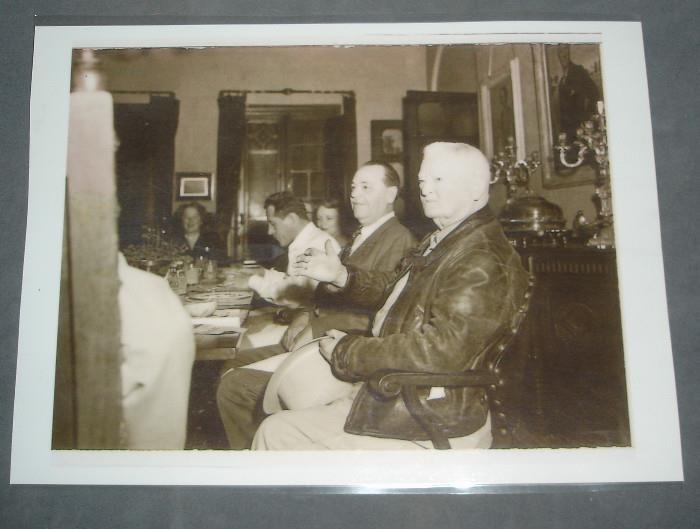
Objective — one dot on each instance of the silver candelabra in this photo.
(591, 142)
(505, 167)
(525, 216)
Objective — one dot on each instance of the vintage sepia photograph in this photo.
(390, 247)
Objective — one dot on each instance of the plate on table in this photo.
(224, 300)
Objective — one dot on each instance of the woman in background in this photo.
(331, 217)
(192, 234)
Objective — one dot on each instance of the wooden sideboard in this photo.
(565, 373)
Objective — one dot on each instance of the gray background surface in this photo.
(671, 43)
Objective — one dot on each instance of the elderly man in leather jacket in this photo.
(450, 298)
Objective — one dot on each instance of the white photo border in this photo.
(655, 454)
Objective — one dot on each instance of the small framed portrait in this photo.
(193, 185)
(387, 140)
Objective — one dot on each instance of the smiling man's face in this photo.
(370, 197)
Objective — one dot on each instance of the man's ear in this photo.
(480, 190)
(392, 193)
(292, 218)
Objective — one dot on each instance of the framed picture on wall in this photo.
(387, 143)
(569, 86)
(193, 185)
(387, 140)
(502, 112)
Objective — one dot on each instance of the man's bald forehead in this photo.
(369, 171)
(458, 158)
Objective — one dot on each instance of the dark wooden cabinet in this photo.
(566, 373)
(430, 117)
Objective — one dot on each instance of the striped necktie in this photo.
(432, 244)
(349, 248)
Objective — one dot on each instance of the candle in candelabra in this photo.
(87, 76)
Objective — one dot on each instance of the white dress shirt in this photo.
(284, 289)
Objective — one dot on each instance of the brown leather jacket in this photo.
(457, 299)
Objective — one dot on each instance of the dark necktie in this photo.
(346, 251)
(418, 257)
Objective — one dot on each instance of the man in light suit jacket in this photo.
(378, 245)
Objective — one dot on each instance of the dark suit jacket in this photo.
(381, 253)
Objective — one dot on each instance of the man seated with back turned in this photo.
(379, 245)
(451, 298)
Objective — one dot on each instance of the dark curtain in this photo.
(145, 163)
(341, 149)
(231, 139)
(333, 163)
(349, 129)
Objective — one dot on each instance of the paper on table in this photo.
(209, 329)
(214, 330)
(224, 322)
(219, 313)
(218, 325)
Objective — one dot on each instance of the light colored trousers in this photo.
(321, 428)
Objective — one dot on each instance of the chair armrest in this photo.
(389, 384)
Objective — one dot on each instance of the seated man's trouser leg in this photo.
(239, 395)
(322, 428)
(239, 398)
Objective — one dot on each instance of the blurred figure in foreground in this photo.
(157, 356)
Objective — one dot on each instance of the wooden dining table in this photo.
(225, 346)
(234, 300)
(257, 322)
